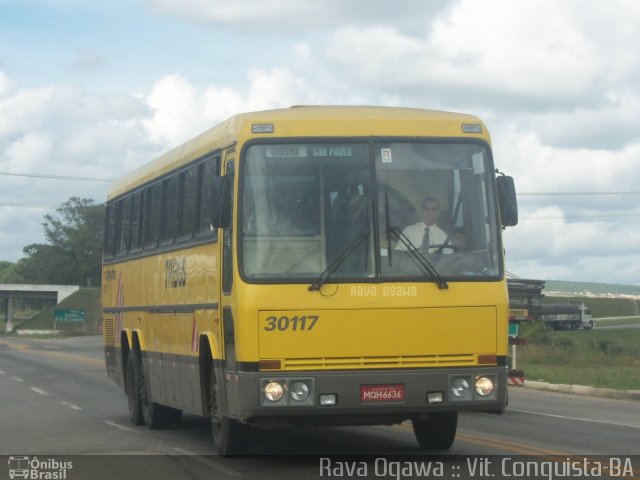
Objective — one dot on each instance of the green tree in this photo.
(9, 273)
(73, 252)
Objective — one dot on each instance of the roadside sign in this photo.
(513, 329)
(65, 315)
(518, 314)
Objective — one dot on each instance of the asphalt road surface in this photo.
(56, 402)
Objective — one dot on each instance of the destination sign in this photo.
(285, 151)
(332, 151)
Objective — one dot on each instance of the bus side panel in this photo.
(168, 299)
(113, 358)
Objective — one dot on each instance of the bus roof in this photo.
(306, 121)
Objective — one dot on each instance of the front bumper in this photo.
(246, 402)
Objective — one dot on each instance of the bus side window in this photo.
(109, 230)
(169, 210)
(123, 226)
(153, 202)
(208, 172)
(188, 202)
(136, 224)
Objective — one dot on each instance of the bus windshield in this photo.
(408, 203)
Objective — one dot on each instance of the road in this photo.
(56, 399)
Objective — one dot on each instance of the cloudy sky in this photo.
(95, 89)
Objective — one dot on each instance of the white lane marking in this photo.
(70, 405)
(121, 427)
(210, 463)
(37, 390)
(1, 372)
(18, 379)
(575, 418)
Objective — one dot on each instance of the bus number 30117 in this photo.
(297, 322)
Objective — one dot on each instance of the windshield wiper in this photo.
(417, 256)
(341, 257)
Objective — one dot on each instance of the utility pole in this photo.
(8, 314)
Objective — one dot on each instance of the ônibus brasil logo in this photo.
(35, 469)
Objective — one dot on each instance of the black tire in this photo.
(156, 416)
(132, 380)
(437, 432)
(230, 437)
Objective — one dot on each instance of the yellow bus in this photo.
(312, 265)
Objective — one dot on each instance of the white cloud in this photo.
(539, 167)
(28, 152)
(547, 245)
(540, 51)
(25, 109)
(557, 83)
(181, 111)
(609, 125)
(61, 130)
(25, 227)
(275, 13)
(561, 236)
(284, 17)
(176, 113)
(278, 87)
(5, 83)
(222, 102)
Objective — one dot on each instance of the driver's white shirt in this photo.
(415, 234)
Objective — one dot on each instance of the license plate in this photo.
(382, 393)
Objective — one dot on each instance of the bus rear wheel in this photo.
(229, 436)
(132, 381)
(436, 432)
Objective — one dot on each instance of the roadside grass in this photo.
(611, 321)
(606, 358)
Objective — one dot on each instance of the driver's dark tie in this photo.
(425, 239)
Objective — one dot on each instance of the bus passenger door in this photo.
(229, 364)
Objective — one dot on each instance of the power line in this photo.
(57, 177)
(109, 180)
(578, 193)
(26, 205)
(585, 215)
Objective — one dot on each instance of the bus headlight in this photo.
(299, 391)
(484, 386)
(274, 391)
(460, 387)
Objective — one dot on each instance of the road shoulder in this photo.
(583, 390)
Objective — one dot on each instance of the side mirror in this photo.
(507, 201)
(223, 201)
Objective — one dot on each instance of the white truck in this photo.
(567, 316)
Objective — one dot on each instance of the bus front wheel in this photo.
(436, 432)
(229, 436)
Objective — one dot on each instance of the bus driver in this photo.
(426, 235)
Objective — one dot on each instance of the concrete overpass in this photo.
(46, 292)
